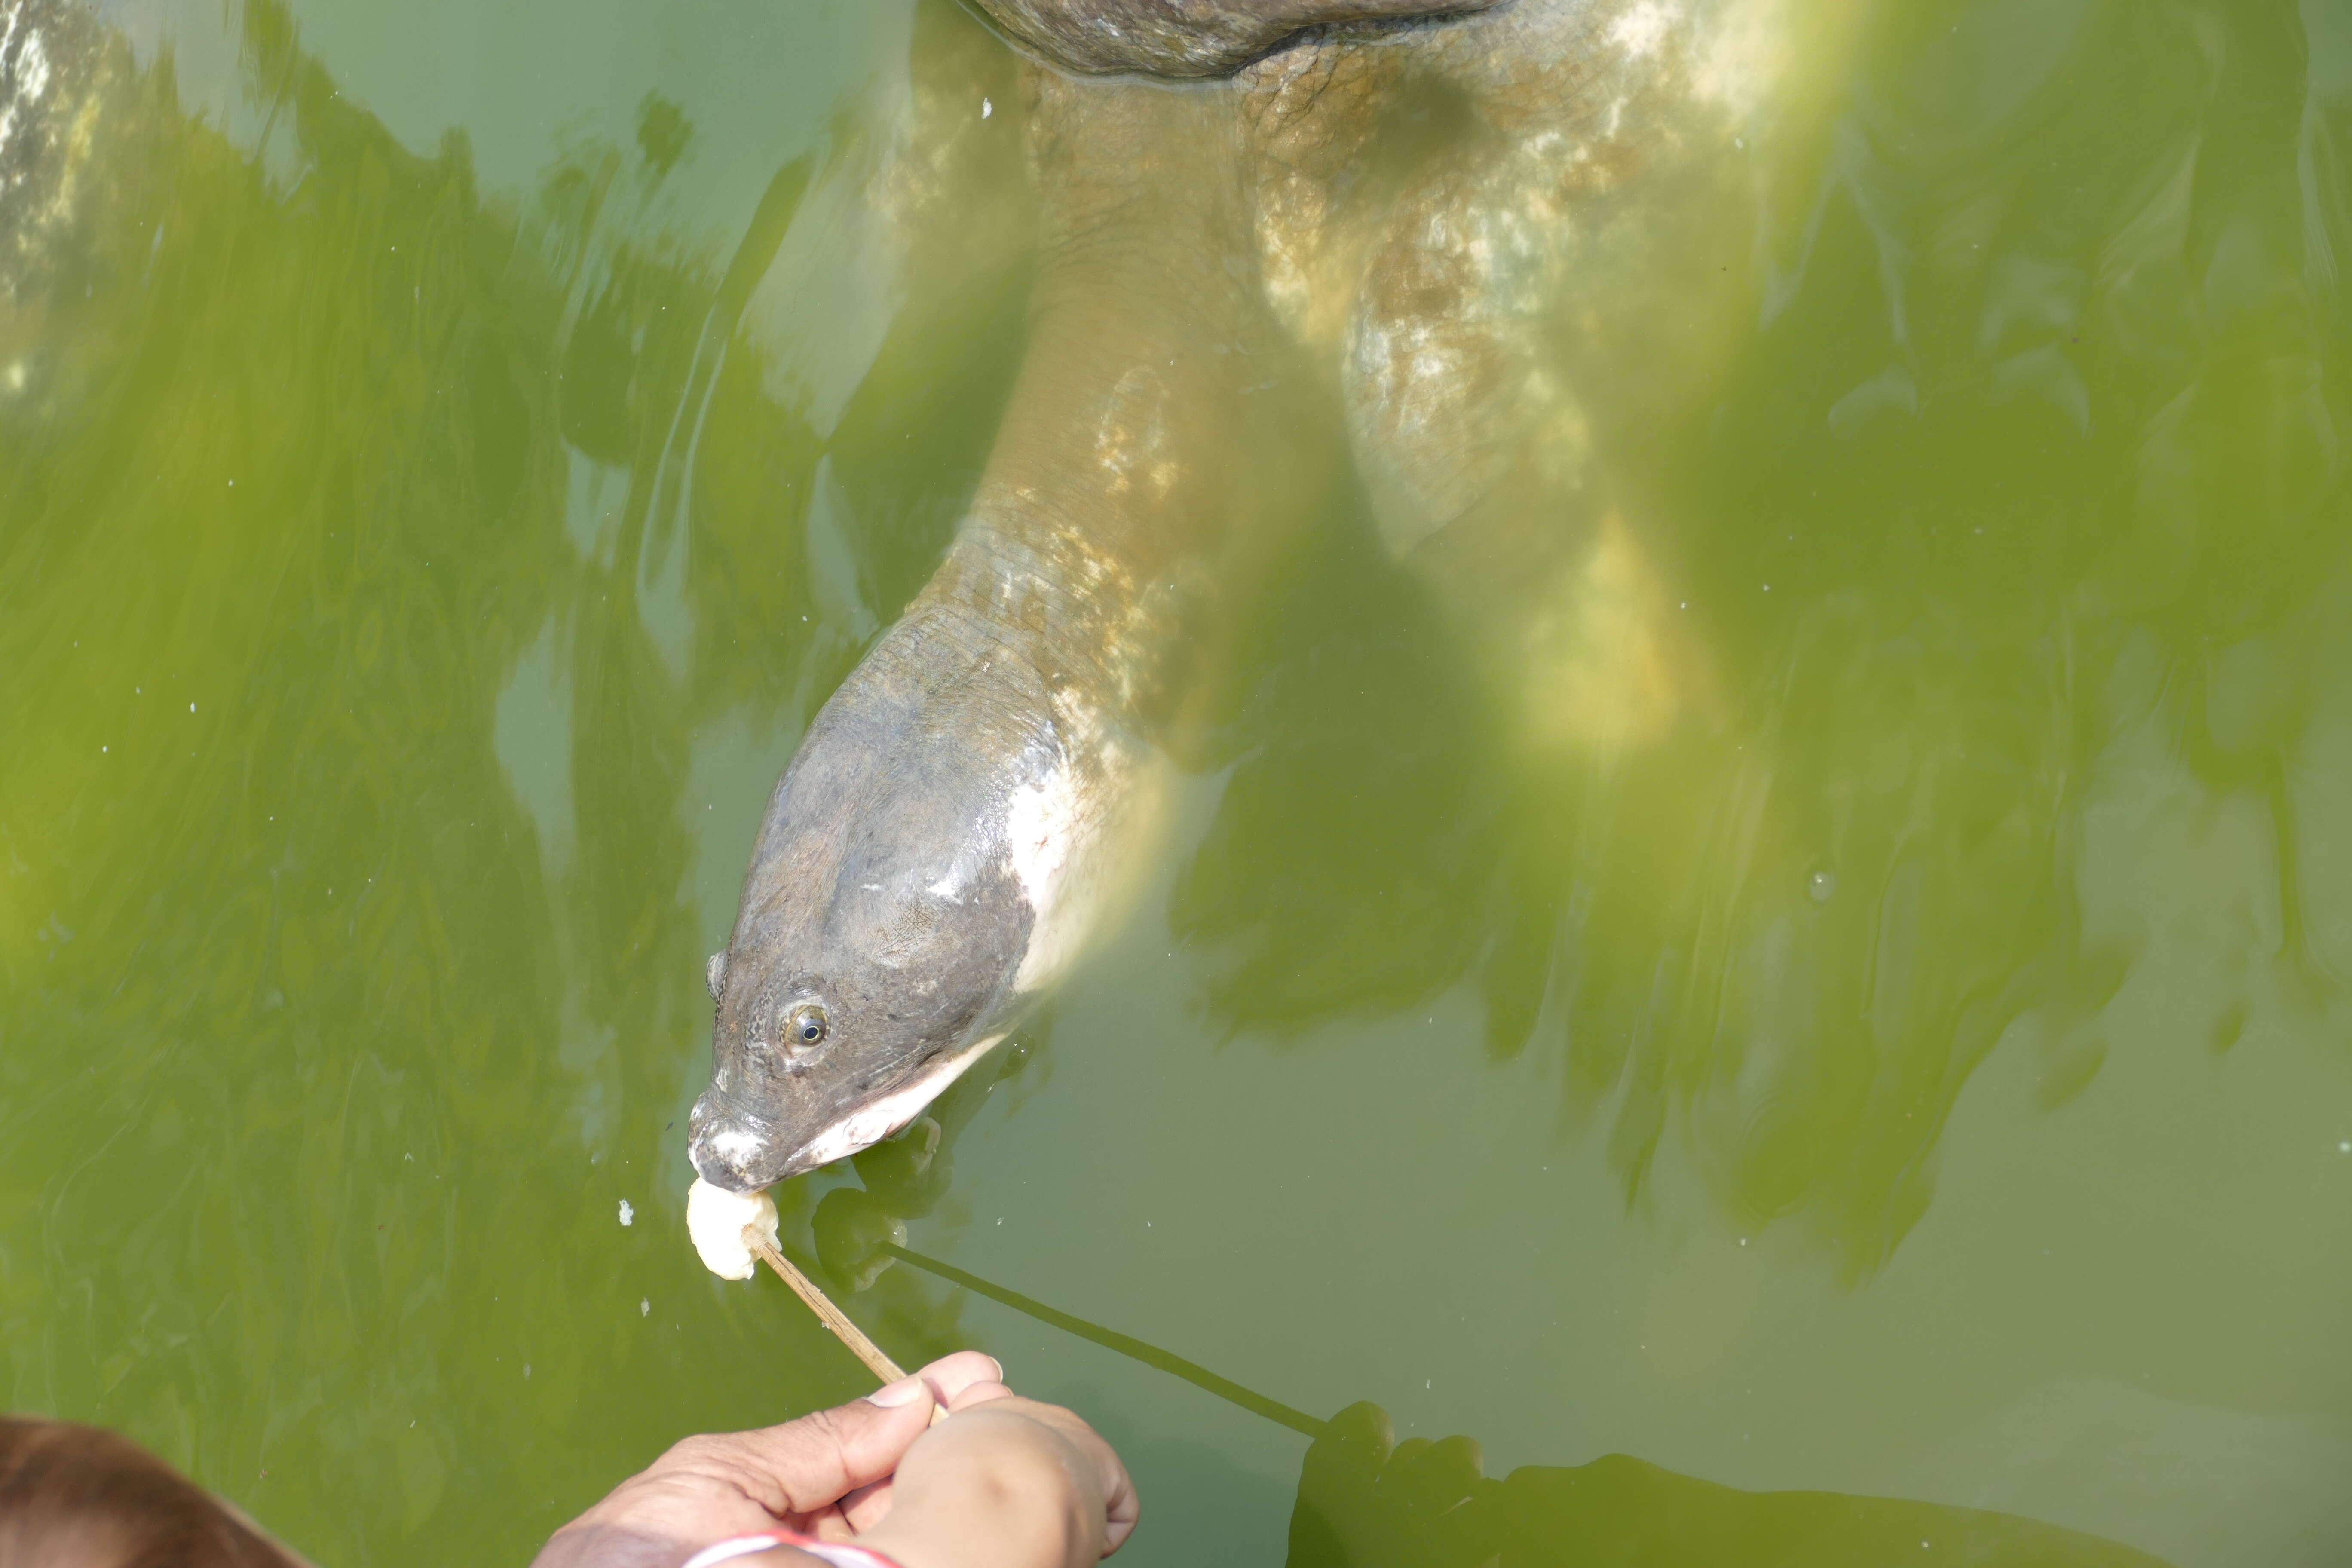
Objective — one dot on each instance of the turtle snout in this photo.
(733, 1146)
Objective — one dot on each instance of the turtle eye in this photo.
(805, 1027)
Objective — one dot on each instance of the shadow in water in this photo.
(1367, 1501)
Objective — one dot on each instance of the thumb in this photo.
(822, 1458)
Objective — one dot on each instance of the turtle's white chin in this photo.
(876, 1119)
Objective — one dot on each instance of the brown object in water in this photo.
(832, 1317)
(82, 1497)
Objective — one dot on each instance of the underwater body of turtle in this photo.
(974, 803)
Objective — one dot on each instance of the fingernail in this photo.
(903, 1392)
(999, 1366)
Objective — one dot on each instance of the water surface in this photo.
(446, 458)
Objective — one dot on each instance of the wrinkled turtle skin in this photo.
(1178, 38)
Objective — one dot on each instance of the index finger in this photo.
(949, 1377)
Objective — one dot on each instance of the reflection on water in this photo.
(1815, 638)
(359, 653)
(1818, 846)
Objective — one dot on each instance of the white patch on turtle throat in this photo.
(1045, 825)
(870, 1123)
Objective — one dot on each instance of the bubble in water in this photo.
(1821, 884)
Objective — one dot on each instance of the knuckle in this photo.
(688, 1453)
(824, 1427)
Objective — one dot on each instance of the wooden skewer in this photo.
(831, 1316)
(883, 1367)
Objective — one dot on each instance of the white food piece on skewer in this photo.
(715, 1218)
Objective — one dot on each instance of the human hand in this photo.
(828, 1475)
(1006, 1482)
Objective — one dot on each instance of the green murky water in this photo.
(447, 453)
